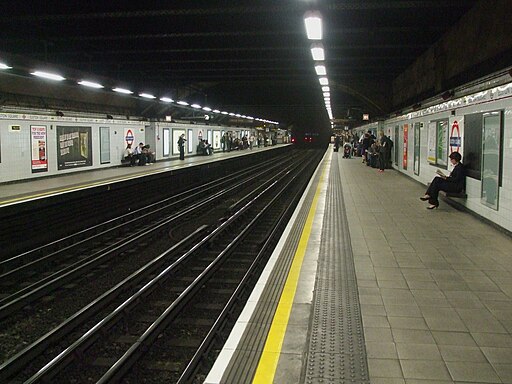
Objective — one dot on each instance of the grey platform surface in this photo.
(435, 286)
(434, 290)
(46, 186)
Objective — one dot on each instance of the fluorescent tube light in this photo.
(122, 90)
(166, 99)
(4, 66)
(47, 75)
(326, 89)
(207, 109)
(197, 106)
(216, 111)
(323, 81)
(90, 84)
(147, 96)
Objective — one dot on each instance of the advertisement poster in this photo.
(216, 139)
(176, 133)
(417, 128)
(74, 147)
(455, 137)
(442, 142)
(38, 146)
(432, 132)
(406, 140)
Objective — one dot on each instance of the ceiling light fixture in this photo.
(122, 90)
(323, 81)
(182, 103)
(4, 66)
(166, 99)
(90, 84)
(49, 76)
(313, 22)
(147, 96)
(197, 106)
(317, 51)
(320, 70)
(326, 89)
(207, 109)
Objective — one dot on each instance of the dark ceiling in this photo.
(249, 57)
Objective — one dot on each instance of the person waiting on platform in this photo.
(452, 183)
(138, 155)
(383, 151)
(181, 146)
(149, 154)
(127, 155)
(208, 146)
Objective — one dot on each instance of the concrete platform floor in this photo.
(435, 286)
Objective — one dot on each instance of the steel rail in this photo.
(21, 258)
(34, 291)
(206, 344)
(18, 361)
(119, 369)
(58, 363)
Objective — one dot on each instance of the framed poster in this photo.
(492, 159)
(431, 142)
(417, 136)
(216, 140)
(166, 142)
(396, 145)
(104, 145)
(74, 147)
(176, 133)
(442, 143)
(189, 140)
(406, 142)
(39, 159)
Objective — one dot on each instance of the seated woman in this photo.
(452, 183)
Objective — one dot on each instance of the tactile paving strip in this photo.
(337, 351)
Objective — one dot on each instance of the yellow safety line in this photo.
(267, 365)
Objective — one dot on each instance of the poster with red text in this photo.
(406, 140)
(38, 148)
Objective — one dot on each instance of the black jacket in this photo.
(457, 176)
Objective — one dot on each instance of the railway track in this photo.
(75, 324)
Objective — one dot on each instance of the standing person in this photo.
(229, 141)
(452, 183)
(251, 141)
(223, 140)
(181, 146)
(383, 151)
(366, 144)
